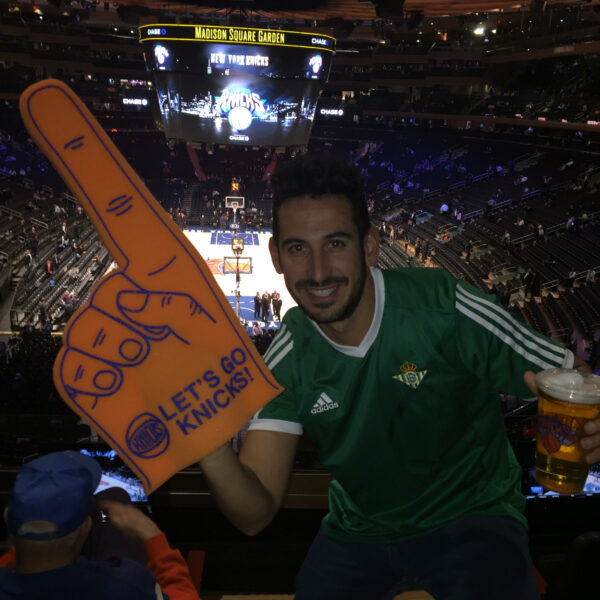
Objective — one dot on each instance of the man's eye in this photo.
(337, 244)
(296, 248)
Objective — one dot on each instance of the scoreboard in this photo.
(236, 85)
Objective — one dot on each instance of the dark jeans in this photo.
(473, 558)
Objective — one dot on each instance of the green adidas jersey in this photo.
(409, 422)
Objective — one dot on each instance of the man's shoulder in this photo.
(420, 288)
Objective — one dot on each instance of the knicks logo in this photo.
(215, 265)
(556, 431)
(219, 266)
(147, 436)
(240, 105)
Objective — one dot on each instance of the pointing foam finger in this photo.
(102, 336)
(110, 191)
(80, 373)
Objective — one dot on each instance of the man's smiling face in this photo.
(321, 256)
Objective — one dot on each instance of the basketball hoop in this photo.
(237, 245)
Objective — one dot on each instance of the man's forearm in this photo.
(238, 491)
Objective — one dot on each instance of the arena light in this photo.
(479, 30)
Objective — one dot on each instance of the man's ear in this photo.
(275, 255)
(5, 513)
(371, 246)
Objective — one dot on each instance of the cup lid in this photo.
(570, 385)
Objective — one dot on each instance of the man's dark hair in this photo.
(315, 176)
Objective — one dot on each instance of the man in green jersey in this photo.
(395, 375)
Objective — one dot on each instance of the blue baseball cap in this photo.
(59, 488)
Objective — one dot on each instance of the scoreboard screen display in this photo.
(236, 85)
(236, 110)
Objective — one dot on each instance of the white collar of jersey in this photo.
(361, 350)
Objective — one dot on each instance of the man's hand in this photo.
(156, 360)
(130, 520)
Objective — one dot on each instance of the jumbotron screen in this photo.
(236, 85)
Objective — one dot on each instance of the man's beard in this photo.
(344, 312)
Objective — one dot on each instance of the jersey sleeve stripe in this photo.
(541, 340)
(273, 362)
(280, 339)
(536, 343)
(275, 425)
(507, 340)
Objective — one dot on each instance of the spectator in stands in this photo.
(571, 278)
(468, 250)
(49, 520)
(527, 280)
(540, 231)
(392, 373)
(68, 300)
(418, 247)
(590, 276)
(257, 330)
(28, 258)
(43, 310)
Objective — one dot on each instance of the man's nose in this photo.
(319, 266)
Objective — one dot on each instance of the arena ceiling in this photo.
(353, 10)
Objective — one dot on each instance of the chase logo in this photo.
(240, 105)
(156, 31)
(147, 436)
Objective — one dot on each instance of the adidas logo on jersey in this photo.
(323, 404)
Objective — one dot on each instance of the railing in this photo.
(502, 204)
(481, 177)
(496, 269)
(472, 214)
(550, 285)
(524, 238)
(457, 185)
(433, 193)
(38, 223)
(68, 196)
(561, 335)
(11, 211)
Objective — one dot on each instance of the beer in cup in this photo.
(566, 400)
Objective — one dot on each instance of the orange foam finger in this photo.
(162, 387)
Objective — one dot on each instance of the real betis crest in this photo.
(410, 376)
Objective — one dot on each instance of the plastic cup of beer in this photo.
(567, 399)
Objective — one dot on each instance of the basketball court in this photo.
(257, 273)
